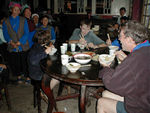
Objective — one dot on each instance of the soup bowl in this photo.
(106, 58)
(82, 58)
(115, 48)
(73, 66)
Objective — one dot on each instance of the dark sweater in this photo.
(36, 53)
(131, 79)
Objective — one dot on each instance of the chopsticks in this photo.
(86, 65)
(81, 36)
(108, 36)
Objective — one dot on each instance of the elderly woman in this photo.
(26, 11)
(41, 48)
(15, 30)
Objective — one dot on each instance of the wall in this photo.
(117, 4)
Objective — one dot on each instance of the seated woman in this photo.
(85, 36)
(41, 48)
(45, 26)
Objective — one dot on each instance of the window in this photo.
(83, 6)
(70, 6)
(146, 13)
(103, 6)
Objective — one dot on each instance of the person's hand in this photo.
(91, 45)
(108, 42)
(82, 41)
(52, 46)
(14, 45)
(18, 43)
(120, 55)
(48, 49)
(3, 66)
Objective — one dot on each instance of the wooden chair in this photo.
(3, 87)
(44, 87)
(40, 87)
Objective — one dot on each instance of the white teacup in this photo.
(82, 46)
(62, 49)
(65, 59)
(112, 52)
(66, 46)
(73, 47)
(96, 27)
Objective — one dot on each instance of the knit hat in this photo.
(35, 14)
(14, 4)
(25, 7)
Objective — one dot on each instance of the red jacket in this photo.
(31, 25)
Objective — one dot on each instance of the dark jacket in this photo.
(131, 79)
(31, 25)
(36, 53)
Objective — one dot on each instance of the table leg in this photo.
(83, 98)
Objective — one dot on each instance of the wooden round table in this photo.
(85, 76)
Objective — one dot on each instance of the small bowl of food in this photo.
(106, 58)
(82, 58)
(113, 48)
(95, 58)
(73, 66)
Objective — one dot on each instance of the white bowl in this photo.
(53, 51)
(106, 58)
(73, 66)
(113, 48)
(82, 58)
(95, 29)
(81, 46)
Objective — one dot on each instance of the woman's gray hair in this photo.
(138, 32)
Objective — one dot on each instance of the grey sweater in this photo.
(131, 79)
(90, 37)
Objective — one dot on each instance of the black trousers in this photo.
(4, 76)
(18, 63)
(3, 51)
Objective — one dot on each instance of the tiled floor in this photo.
(22, 101)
